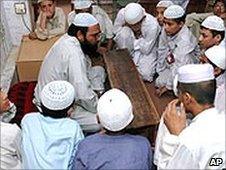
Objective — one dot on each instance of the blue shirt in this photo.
(101, 151)
(48, 143)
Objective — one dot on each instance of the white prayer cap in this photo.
(82, 4)
(214, 23)
(164, 4)
(194, 73)
(114, 109)
(57, 95)
(134, 12)
(174, 12)
(217, 55)
(84, 20)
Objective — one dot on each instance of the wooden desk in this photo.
(31, 55)
(122, 74)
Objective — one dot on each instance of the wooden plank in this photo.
(123, 75)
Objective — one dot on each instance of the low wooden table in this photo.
(122, 74)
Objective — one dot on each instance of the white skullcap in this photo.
(57, 95)
(84, 20)
(174, 12)
(217, 55)
(134, 12)
(193, 73)
(114, 109)
(82, 4)
(164, 4)
(214, 23)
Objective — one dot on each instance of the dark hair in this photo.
(215, 32)
(203, 92)
(56, 114)
(181, 19)
(223, 1)
(72, 30)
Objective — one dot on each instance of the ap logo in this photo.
(215, 161)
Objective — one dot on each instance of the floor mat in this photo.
(22, 94)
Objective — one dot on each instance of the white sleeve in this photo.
(119, 21)
(79, 79)
(183, 159)
(107, 23)
(165, 145)
(150, 32)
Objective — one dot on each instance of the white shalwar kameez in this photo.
(66, 61)
(144, 49)
(220, 93)
(183, 47)
(201, 140)
(102, 17)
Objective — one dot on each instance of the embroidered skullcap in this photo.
(174, 12)
(214, 23)
(82, 4)
(164, 4)
(57, 95)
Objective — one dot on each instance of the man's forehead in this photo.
(94, 28)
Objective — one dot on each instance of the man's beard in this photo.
(89, 49)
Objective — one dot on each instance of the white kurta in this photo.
(183, 46)
(105, 22)
(54, 26)
(10, 146)
(66, 61)
(201, 140)
(220, 98)
(143, 49)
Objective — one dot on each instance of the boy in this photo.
(51, 21)
(177, 47)
(138, 32)
(113, 149)
(10, 135)
(49, 137)
(160, 8)
(216, 56)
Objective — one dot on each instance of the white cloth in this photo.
(54, 26)
(221, 79)
(185, 50)
(174, 12)
(57, 95)
(220, 99)
(66, 61)
(105, 22)
(195, 145)
(144, 49)
(115, 110)
(10, 146)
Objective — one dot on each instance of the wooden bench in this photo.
(122, 74)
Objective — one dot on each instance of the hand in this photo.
(160, 91)
(4, 102)
(32, 36)
(174, 120)
(43, 20)
(102, 50)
